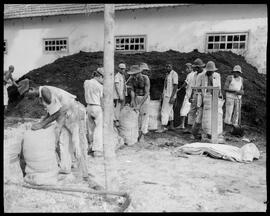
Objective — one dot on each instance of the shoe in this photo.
(180, 127)
(161, 130)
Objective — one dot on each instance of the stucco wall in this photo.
(180, 28)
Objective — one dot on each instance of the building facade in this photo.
(35, 36)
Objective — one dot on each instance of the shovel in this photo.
(238, 130)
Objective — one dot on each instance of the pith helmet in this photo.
(198, 63)
(210, 66)
(144, 66)
(237, 68)
(134, 69)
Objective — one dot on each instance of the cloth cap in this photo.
(198, 63)
(210, 66)
(122, 65)
(237, 68)
(134, 69)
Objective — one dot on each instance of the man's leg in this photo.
(165, 113)
(144, 119)
(98, 131)
(236, 110)
(90, 123)
(229, 110)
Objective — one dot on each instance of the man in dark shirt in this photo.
(140, 96)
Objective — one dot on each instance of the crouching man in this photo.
(70, 117)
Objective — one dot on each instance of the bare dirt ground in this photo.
(158, 181)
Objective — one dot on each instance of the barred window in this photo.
(55, 45)
(132, 43)
(226, 41)
(5, 46)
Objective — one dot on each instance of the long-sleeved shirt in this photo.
(93, 92)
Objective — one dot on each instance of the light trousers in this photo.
(166, 111)
(95, 118)
(143, 114)
(232, 111)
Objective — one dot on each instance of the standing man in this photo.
(198, 67)
(187, 84)
(168, 97)
(207, 78)
(140, 96)
(93, 96)
(119, 92)
(8, 81)
(70, 117)
(234, 91)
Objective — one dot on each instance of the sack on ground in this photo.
(40, 156)
(128, 125)
(154, 115)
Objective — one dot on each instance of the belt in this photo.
(93, 104)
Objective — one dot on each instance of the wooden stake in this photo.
(214, 116)
(111, 181)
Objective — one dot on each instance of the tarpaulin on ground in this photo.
(246, 153)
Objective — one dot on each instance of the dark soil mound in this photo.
(70, 72)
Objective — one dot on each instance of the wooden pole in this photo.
(214, 116)
(214, 112)
(111, 182)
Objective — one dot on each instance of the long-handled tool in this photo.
(123, 207)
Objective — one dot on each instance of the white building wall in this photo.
(179, 28)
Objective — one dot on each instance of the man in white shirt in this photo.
(234, 91)
(207, 78)
(198, 67)
(70, 117)
(119, 92)
(168, 97)
(187, 84)
(93, 96)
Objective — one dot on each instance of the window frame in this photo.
(6, 46)
(226, 34)
(55, 39)
(129, 43)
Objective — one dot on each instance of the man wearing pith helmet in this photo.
(206, 79)
(140, 96)
(234, 91)
(198, 68)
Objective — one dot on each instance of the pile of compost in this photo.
(70, 72)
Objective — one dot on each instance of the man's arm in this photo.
(241, 92)
(227, 84)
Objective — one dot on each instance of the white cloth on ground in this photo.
(246, 153)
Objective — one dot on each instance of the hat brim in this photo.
(133, 72)
(238, 71)
(215, 69)
(198, 65)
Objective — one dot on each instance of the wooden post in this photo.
(214, 116)
(111, 182)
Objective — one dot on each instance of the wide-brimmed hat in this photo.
(144, 66)
(237, 68)
(198, 63)
(122, 66)
(210, 66)
(134, 69)
(188, 64)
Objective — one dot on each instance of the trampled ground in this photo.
(158, 181)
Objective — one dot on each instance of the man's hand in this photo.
(132, 104)
(172, 100)
(37, 126)
(137, 108)
(77, 151)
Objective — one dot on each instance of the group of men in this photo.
(71, 116)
